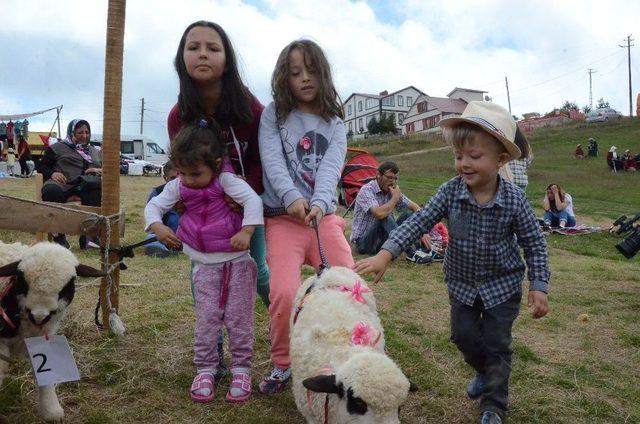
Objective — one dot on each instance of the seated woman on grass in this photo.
(558, 207)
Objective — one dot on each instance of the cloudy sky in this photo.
(53, 52)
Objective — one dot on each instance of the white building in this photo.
(427, 111)
(360, 108)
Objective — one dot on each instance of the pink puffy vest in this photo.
(208, 223)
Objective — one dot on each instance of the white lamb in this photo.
(341, 373)
(33, 301)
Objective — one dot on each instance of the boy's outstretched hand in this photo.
(538, 302)
(376, 264)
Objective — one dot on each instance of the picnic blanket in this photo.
(572, 231)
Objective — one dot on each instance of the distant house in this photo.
(360, 108)
(427, 111)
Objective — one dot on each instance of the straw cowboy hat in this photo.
(613, 149)
(492, 119)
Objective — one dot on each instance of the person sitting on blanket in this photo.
(558, 207)
(373, 218)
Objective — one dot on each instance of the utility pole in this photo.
(591, 71)
(141, 115)
(628, 46)
(506, 81)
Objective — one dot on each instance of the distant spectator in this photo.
(593, 148)
(11, 160)
(24, 155)
(628, 161)
(170, 219)
(558, 207)
(613, 161)
(579, 153)
(520, 166)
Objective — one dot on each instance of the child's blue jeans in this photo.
(484, 338)
(555, 217)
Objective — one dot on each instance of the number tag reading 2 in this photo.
(52, 360)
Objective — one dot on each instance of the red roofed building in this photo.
(427, 111)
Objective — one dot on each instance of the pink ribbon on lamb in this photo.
(356, 291)
(362, 334)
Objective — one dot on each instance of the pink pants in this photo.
(225, 294)
(291, 244)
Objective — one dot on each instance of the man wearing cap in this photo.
(489, 220)
(373, 218)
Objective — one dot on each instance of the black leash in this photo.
(324, 263)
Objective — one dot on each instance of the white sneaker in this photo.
(420, 257)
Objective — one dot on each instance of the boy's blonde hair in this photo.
(457, 136)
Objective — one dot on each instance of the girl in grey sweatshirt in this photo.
(302, 145)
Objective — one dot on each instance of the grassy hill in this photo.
(565, 370)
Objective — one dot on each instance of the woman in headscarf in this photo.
(72, 167)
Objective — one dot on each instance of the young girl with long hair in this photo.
(211, 88)
(303, 147)
(216, 238)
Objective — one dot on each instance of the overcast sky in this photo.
(53, 52)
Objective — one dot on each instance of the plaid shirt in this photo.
(370, 196)
(482, 257)
(519, 170)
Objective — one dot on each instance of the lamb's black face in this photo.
(68, 291)
(355, 405)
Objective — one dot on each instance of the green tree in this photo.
(388, 124)
(601, 103)
(567, 105)
(586, 109)
(373, 126)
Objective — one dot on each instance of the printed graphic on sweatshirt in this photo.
(309, 151)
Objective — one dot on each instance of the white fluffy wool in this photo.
(48, 267)
(321, 344)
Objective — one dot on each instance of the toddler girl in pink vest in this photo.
(216, 239)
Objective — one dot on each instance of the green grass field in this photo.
(564, 371)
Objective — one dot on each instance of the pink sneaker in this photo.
(240, 388)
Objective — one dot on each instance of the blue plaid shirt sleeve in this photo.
(418, 223)
(535, 247)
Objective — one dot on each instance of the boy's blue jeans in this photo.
(484, 338)
(555, 217)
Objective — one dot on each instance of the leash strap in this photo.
(324, 263)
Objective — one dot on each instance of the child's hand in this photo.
(314, 213)
(165, 235)
(376, 264)
(298, 209)
(242, 239)
(538, 301)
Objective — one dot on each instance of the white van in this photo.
(137, 147)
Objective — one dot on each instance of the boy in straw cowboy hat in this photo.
(483, 268)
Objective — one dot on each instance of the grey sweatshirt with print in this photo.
(302, 157)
